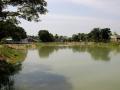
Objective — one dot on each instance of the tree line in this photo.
(96, 35)
(9, 29)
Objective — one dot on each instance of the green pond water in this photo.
(62, 68)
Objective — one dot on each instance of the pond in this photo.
(62, 68)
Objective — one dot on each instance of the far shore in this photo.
(36, 45)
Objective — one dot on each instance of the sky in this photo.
(67, 17)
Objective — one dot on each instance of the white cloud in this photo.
(89, 2)
(85, 2)
(110, 6)
(106, 6)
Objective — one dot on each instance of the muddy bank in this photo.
(20, 46)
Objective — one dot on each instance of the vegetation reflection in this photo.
(10, 64)
(46, 51)
(97, 53)
(7, 71)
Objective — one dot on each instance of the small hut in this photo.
(115, 38)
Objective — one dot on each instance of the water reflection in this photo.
(7, 72)
(38, 76)
(97, 53)
(42, 80)
(45, 52)
(78, 49)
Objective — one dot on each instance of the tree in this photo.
(26, 9)
(45, 36)
(105, 34)
(82, 36)
(100, 35)
(75, 37)
(56, 37)
(95, 35)
(8, 29)
(18, 34)
(4, 27)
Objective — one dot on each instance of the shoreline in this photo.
(60, 44)
(89, 44)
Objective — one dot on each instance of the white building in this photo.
(115, 38)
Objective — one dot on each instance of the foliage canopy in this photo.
(8, 29)
(26, 9)
(45, 36)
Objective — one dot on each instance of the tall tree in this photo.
(82, 36)
(75, 37)
(8, 29)
(45, 36)
(105, 34)
(95, 35)
(100, 35)
(18, 34)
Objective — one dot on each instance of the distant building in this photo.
(22, 41)
(115, 38)
(7, 40)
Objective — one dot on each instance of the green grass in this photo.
(88, 44)
(12, 55)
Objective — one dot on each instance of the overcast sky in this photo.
(66, 17)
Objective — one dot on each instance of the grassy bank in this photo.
(81, 44)
(12, 55)
(20, 46)
(88, 44)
